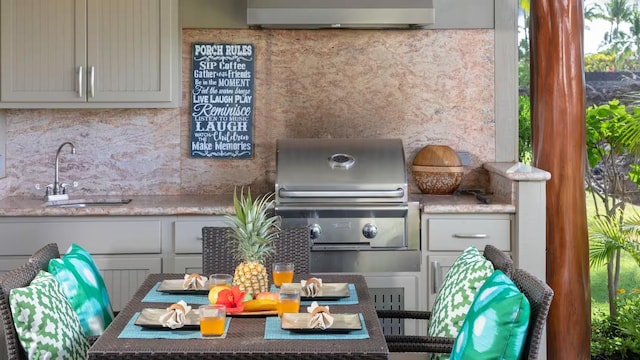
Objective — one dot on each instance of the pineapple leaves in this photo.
(254, 228)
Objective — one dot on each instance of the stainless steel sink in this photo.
(87, 202)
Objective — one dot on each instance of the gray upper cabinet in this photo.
(89, 53)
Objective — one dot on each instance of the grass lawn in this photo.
(629, 271)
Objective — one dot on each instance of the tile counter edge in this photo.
(143, 205)
(458, 204)
(159, 205)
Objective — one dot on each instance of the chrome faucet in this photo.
(59, 189)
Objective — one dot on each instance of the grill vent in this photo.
(389, 299)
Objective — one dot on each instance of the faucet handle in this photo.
(47, 188)
(64, 187)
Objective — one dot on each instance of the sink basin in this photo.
(86, 203)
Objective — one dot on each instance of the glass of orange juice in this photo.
(282, 273)
(225, 280)
(288, 300)
(212, 319)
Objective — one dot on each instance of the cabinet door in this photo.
(123, 275)
(398, 291)
(188, 233)
(437, 268)
(43, 50)
(10, 263)
(187, 264)
(129, 44)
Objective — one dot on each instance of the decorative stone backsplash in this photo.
(423, 86)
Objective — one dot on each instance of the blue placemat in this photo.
(351, 300)
(273, 331)
(132, 331)
(156, 296)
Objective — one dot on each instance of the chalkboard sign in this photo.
(222, 101)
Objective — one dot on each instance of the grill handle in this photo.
(398, 193)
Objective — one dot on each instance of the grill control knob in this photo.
(314, 231)
(369, 231)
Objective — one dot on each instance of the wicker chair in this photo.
(537, 292)
(19, 277)
(499, 259)
(40, 259)
(293, 245)
(42, 256)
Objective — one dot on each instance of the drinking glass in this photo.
(288, 300)
(225, 280)
(282, 273)
(212, 319)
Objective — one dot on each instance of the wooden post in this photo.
(558, 127)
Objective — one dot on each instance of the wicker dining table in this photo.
(245, 337)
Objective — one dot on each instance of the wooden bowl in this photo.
(437, 170)
(438, 180)
(437, 155)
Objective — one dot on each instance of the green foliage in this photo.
(253, 228)
(619, 337)
(599, 62)
(524, 75)
(524, 127)
(607, 130)
(605, 124)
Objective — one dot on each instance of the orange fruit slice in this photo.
(213, 293)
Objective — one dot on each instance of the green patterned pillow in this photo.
(46, 325)
(459, 287)
(497, 322)
(82, 282)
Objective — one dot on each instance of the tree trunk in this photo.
(558, 132)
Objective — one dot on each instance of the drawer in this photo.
(458, 232)
(103, 235)
(188, 233)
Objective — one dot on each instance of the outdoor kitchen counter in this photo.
(157, 205)
(160, 205)
(460, 204)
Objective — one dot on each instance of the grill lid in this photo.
(323, 169)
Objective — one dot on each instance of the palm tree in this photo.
(634, 32)
(610, 235)
(615, 12)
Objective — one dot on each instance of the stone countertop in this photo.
(169, 205)
(517, 171)
(158, 205)
(431, 204)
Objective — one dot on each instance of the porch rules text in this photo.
(222, 101)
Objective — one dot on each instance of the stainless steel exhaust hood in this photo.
(318, 14)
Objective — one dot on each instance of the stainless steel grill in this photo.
(352, 195)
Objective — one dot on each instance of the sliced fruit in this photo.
(213, 293)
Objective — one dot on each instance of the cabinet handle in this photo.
(80, 81)
(92, 81)
(470, 236)
(437, 276)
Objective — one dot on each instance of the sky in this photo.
(594, 30)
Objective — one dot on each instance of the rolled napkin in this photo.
(312, 286)
(176, 315)
(320, 316)
(194, 282)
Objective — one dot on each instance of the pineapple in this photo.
(253, 233)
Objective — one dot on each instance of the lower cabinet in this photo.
(187, 241)
(188, 264)
(125, 249)
(9, 263)
(445, 236)
(124, 274)
(397, 291)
